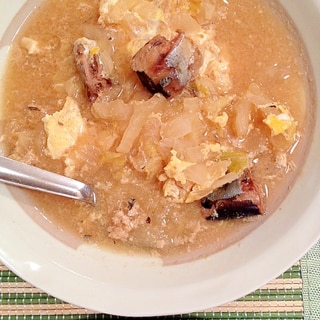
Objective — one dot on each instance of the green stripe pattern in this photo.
(310, 269)
(280, 299)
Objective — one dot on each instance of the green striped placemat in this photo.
(310, 269)
(279, 299)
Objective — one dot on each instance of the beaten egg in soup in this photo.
(190, 119)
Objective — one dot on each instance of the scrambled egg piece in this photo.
(170, 189)
(279, 124)
(175, 167)
(113, 11)
(222, 119)
(63, 128)
(207, 148)
(185, 188)
(31, 45)
(142, 18)
(280, 121)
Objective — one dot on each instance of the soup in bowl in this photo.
(192, 123)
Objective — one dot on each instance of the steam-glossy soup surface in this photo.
(129, 146)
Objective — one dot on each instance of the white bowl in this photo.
(139, 286)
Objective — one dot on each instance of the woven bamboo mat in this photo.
(281, 298)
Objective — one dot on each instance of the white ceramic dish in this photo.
(132, 286)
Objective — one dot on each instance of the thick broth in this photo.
(265, 58)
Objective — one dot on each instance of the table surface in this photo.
(293, 295)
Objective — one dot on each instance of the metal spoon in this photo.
(22, 175)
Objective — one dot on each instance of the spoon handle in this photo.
(23, 175)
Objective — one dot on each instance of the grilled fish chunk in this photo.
(165, 66)
(91, 68)
(238, 199)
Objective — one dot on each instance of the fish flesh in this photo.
(165, 66)
(91, 68)
(238, 199)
